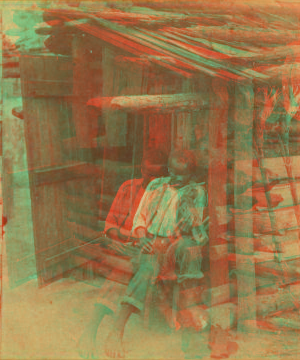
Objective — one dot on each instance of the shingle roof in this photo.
(237, 43)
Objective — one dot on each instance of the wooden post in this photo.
(87, 83)
(220, 321)
(184, 121)
(243, 154)
(114, 83)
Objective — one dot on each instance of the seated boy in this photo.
(157, 226)
(118, 228)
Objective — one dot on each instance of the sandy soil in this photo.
(47, 323)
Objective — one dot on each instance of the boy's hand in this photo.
(116, 246)
(130, 250)
(125, 249)
(147, 245)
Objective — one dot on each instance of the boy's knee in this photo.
(183, 247)
(147, 269)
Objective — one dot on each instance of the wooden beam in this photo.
(262, 224)
(188, 101)
(64, 173)
(243, 124)
(243, 261)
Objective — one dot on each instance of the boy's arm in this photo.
(115, 234)
(139, 230)
(141, 218)
(115, 217)
(143, 213)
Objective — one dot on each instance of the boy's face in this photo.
(150, 171)
(178, 172)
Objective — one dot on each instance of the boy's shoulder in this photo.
(157, 183)
(128, 184)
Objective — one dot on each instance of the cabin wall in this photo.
(110, 144)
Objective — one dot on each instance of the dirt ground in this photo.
(46, 323)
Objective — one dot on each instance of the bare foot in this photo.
(86, 344)
(114, 346)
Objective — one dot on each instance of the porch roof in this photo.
(239, 42)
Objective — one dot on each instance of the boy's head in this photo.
(182, 165)
(154, 165)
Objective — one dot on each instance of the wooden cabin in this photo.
(112, 82)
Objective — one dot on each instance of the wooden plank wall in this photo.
(46, 81)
